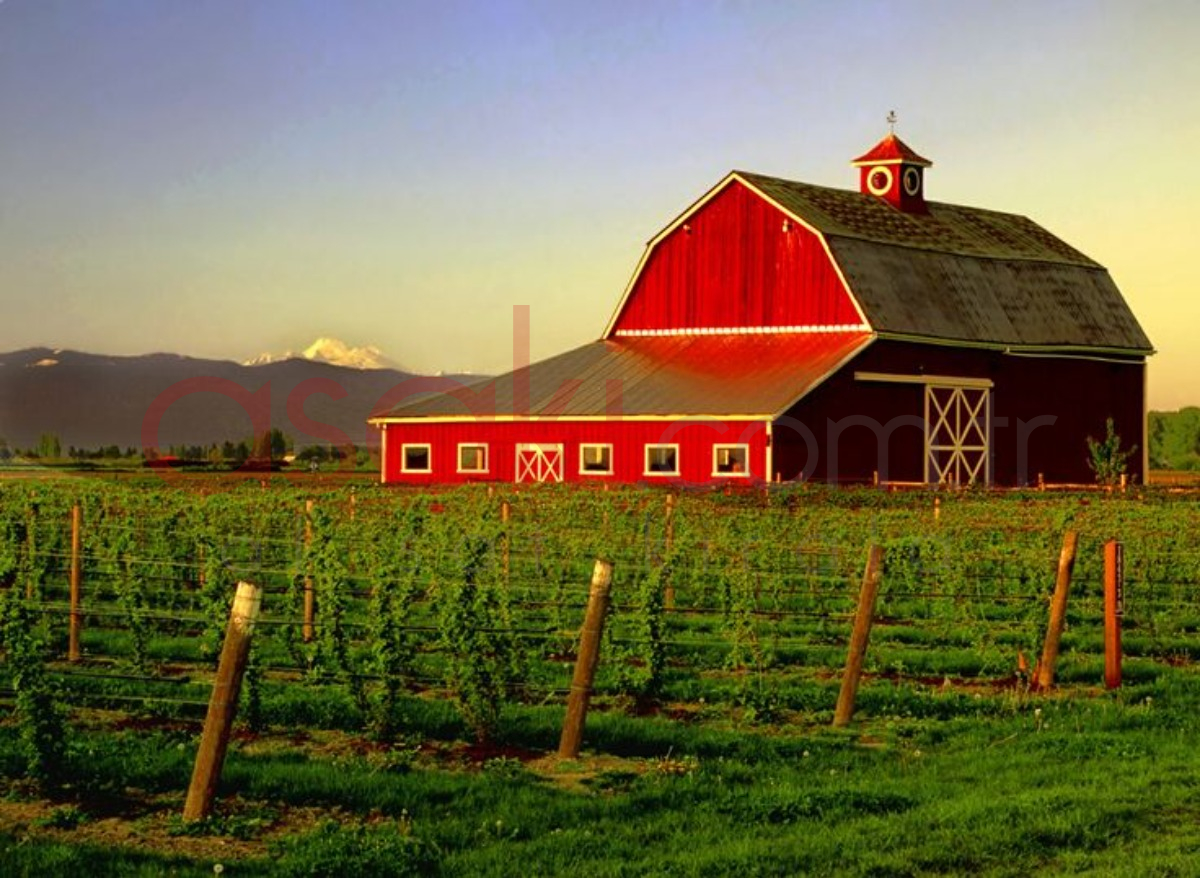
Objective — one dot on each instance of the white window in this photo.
(416, 458)
(595, 459)
(731, 460)
(472, 457)
(662, 460)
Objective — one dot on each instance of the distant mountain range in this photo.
(91, 400)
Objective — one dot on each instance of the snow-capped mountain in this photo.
(333, 351)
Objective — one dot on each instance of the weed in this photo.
(62, 817)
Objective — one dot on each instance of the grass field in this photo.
(415, 733)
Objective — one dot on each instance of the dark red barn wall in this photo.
(1043, 408)
(628, 438)
(733, 264)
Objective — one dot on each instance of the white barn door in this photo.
(958, 427)
(538, 462)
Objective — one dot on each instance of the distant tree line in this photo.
(273, 445)
(48, 448)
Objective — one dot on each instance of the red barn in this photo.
(778, 330)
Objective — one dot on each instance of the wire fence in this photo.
(702, 591)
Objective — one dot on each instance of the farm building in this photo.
(778, 330)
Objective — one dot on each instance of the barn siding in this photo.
(1079, 394)
(731, 264)
(628, 438)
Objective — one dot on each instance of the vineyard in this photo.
(411, 664)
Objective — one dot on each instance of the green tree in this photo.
(49, 446)
(1106, 457)
(1174, 439)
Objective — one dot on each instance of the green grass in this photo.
(932, 782)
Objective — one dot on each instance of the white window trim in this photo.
(646, 459)
(744, 474)
(404, 468)
(583, 471)
(486, 457)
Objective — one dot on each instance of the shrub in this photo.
(1106, 458)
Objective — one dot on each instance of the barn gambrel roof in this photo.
(961, 273)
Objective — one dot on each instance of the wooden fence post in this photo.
(506, 549)
(30, 547)
(1114, 610)
(73, 651)
(860, 636)
(585, 663)
(668, 545)
(309, 598)
(1044, 679)
(222, 706)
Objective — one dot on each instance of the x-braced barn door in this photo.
(539, 463)
(958, 422)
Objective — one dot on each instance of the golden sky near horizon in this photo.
(227, 178)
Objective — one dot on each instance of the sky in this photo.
(223, 178)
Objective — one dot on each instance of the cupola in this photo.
(891, 170)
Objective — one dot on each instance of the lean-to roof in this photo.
(729, 376)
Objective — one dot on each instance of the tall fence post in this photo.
(859, 637)
(309, 598)
(585, 663)
(1058, 611)
(1114, 610)
(30, 548)
(668, 545)
(222, 706)
(73, 652)
(506, 549)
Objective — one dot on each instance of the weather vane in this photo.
(891, 120)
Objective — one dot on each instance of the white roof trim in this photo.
(741, 330)
(563, 419)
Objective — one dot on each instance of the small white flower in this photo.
(218, 868)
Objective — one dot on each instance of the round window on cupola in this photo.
(912, 181)
(879, 181)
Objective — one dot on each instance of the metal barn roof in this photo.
(961, 273)
(751, 376)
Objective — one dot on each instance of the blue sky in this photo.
(226, 177)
